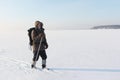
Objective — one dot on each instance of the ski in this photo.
(42, 69)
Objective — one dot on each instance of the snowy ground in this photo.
(73, 55)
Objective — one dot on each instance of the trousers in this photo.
(42, 54)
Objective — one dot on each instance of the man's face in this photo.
(39, 25)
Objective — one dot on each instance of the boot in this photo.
(33, 64)
(43, 64)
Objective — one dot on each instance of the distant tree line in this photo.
(107, 27)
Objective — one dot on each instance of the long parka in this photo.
(37, 34)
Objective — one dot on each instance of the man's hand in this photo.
(46, 46)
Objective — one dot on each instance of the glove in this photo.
(46, 46)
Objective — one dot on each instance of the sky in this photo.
(58, 14)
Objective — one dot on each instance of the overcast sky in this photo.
(58, 14)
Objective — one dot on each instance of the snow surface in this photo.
(72, 55)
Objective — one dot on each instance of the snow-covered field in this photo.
(72, 55)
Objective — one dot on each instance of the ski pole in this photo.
(38, 48)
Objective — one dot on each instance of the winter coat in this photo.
(37, 35)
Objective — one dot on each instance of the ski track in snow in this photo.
(20, 67)
(26, 67)
(23, 66)
(20, 64)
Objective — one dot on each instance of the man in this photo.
(39, 44)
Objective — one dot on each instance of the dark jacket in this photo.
(37, 36)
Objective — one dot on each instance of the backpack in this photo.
(30, 37)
